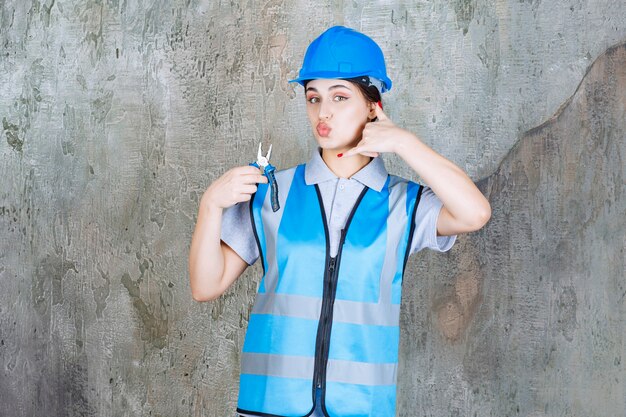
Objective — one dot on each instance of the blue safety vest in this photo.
(322, 321)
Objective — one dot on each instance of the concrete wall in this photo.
(116, 116)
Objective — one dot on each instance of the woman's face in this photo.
(338, 112)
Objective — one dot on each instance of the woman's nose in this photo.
(324, 111)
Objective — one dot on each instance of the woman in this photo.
(323, 335)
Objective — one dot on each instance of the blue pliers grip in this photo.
(263, 162)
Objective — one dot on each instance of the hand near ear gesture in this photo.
(379, 136)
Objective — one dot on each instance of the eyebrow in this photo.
(330, 88)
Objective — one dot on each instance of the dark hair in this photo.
(370, 92)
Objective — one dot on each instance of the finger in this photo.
(249, 169)
(254, 178)
(241, 197)
(248, 189)
(244, 193)
(348, 153)
(260, 178)
(372, 154)
(367, 130)
(351, 152)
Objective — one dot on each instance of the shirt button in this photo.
(341, 187)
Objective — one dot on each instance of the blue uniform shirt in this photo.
(339, 196)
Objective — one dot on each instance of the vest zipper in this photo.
(330, 290)
(328, 299)
(321, 353)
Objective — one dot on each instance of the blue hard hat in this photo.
(341, 52)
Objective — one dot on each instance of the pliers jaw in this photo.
(261, 160)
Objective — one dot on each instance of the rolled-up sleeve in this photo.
(237, 231)
(425, 233)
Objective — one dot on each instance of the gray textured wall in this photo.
(117, 115)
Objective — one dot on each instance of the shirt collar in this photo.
(373, 175)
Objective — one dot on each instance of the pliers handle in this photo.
(268, 170)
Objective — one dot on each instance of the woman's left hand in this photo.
(379, 136)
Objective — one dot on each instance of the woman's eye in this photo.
(314, 100)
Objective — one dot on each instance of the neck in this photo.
(344, 168)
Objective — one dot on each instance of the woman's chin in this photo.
(329, 143)
(325, 142)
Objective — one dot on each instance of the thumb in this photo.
(380, 113)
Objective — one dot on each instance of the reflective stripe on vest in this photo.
(322, 321)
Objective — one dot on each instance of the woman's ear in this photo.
(372, 113)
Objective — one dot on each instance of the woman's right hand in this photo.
(234, 186)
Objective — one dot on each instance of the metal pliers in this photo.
(263, 162)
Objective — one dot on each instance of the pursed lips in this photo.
(323, 129)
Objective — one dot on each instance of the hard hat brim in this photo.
(333, 75)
